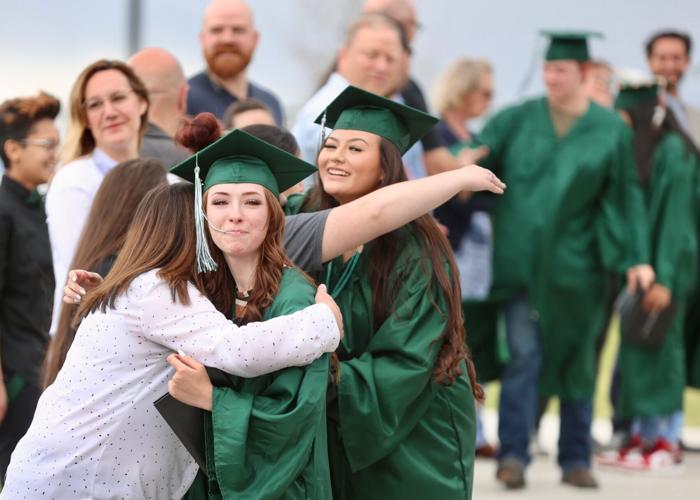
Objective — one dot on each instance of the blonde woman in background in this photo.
(462, 93)
(108, 118)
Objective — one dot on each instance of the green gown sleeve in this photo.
(383, 393)
(294, 203)
(269, 438)
(623, 233)
(496, 135)
(675, 216)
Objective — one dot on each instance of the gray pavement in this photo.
(544, 477)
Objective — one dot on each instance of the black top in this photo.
(456, 215)
(413, 96)
(448, 137)
(207, 95)
(26, 280)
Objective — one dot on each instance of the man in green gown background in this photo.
(574, 209)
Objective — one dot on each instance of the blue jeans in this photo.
(668, 427)
(576, 418)
(518, 401)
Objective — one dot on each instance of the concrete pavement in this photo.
(544, 477)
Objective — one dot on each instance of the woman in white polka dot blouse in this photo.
(96, 433)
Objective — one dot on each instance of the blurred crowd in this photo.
(602, 206)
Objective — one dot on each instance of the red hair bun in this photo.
(197, 133)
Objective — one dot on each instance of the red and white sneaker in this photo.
(661, 457)
(630, 452)
(664, 455)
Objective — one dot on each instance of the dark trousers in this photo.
(20, 412)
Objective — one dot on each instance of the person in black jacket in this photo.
(28, 143)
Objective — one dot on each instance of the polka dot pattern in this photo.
(96, 433)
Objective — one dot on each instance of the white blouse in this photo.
(96, 433)
(68, 204)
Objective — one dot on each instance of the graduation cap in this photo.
(237, 158)
(357, 109)
(571, 45)
(636, 87)
(631, 96)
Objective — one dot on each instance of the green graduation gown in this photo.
(398, 434)
(652, 381)
(573, 209)
(266, 438)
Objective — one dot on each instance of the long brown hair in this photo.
(111, 212)
(154, 241)
(79, 139)
(195, 135)
(384, 252)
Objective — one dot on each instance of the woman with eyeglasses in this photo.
(28, 142)
(108, 118)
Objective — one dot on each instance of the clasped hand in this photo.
(190, 384)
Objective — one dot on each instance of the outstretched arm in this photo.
(377, 213)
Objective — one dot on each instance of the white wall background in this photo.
(45, 44)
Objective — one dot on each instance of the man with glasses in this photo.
(28, 143)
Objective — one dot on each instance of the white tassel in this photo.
(322, 138)
(205, 262)
(658, 118)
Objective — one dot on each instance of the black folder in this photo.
(640, 327)
(187, 422)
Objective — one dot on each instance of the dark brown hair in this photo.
(683, 37)
(102, 238)
(18, 116)
(249, 104)
(647, 136)
(79, 140)
(437, 256)
(274, 135)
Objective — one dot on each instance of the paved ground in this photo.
(543, 476)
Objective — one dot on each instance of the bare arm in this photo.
(439, 160)
(355, 223)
